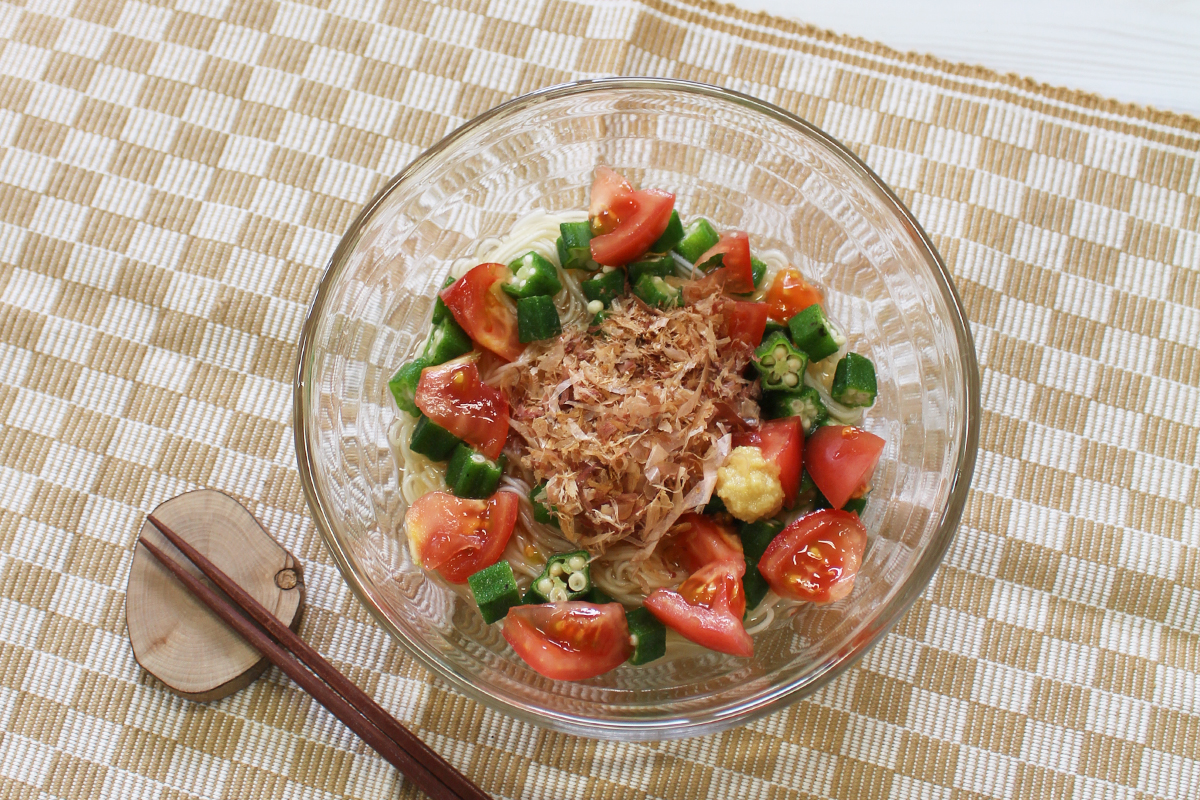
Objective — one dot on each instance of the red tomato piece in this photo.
(703, 541)
(611, 201)
(459, 537)
(816, 557)
(637, 230)
(781, 441)
(746, 322)
(569, 641)
(790, 294)
(708, 608)
(453, 396)
(479, 306)
(840, 460)
(736, 269)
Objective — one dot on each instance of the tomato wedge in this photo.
(611, 200)
(703, 541)
(781, 441)
(479, 306)
(736, 269)
(746, 322)
(841, 460)
(625, 222)
(816, 557)
(790, 294)
(459, 537)
(707, 608)
(453, 396)
(569, 641)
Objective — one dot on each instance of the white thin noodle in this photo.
(533, 542)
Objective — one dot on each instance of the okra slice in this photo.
(774, 327)
(854, 381)
(755, 537)
(698, 238)
(779, 364)
(446, 341)
(604, 288)
(808, 494)
(537, 318)
(758, 269)
(403, 385)
(670, 237)
(440, 312)
(532, 275)
(575, 246)
(432, 440)
(661, 266)
(805, 404)
(566, 577)
(655, 291)
(856, 504)
(495, 591)
(647, 635)
(471, 474)
(814, 334)
(542, 510)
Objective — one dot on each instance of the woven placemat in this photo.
(174, 176)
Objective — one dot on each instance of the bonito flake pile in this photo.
(629, 426)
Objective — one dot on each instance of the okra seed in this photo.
(791, 379)
(545, 585)
(768, 361)
(556, 569)
(576, 582)
(794, 363)
(577, 563)
(595, 307)
(558, 595)
(633, 640)
(780, 353)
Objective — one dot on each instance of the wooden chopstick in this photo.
(416, 760)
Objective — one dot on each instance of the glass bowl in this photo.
(744, 164)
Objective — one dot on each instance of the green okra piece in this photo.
(805, 404)
(575, 246)
(495, 591)
(648, 635)
(756, 536)
(780, 365)
(565, 577)
(605, 287)
(543, 512)
(532, 275)
(812, 333)
(537, 318)
(671, 237)
(432, 440)
(403, 385)
(471, 474)
(758, 269)
(446, 341)
(698, 238)
(440, 312)
(854, 381)
(662, 266)
(655, 291)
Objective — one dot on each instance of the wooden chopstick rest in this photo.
(174, 636)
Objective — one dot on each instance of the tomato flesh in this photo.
(454, 396)
(644, 220)
(736, 270)
(611, 200)
(790, 294)
(704, 541)
(478, 305)
(816, 557)
(707, 608)
(841, 460)
(458, 537)
(569, 641)
(782, 442)
(746, 322)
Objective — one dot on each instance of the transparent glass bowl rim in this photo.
(775, 697)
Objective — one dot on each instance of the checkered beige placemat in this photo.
(173, 176)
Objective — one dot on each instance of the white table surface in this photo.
(1137, 51)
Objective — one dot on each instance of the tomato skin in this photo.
(781, 441)
(840, 460)
(570, 641)
(816, 557)
(736, 270)
(645, 220)
(454, 396)
(703, 541)
(790, 294)
(478, 305)
(746, 322)
(708, 608)
(458, 537)
(611, 200)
